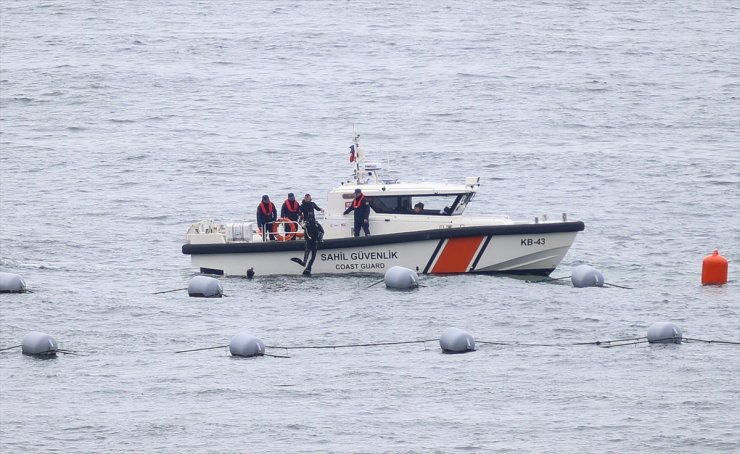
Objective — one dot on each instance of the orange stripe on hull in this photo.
(457, 255)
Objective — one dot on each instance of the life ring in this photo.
(289, 228)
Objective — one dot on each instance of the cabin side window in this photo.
(429, 205)
(391, 204)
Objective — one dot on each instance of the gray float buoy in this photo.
(455, 340)
(205, 287)
(11, 283)
(664, 333)
(39, 344)
(398, 277)
(586, 276)
(246, 345)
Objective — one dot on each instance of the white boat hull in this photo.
(521, 249)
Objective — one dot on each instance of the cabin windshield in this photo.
(433, 204)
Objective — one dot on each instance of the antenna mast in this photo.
(356, 142)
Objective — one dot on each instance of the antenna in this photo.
(356, 142)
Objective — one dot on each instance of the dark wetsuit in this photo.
(313, 234)
(307, 210)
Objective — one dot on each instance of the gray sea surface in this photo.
(122, 122)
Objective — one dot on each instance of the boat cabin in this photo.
(411, 199)
(388, 196)
(399, 207)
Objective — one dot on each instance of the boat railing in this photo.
(282, 230)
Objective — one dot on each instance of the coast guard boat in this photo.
(437, 239)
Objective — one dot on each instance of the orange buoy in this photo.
(714, 269)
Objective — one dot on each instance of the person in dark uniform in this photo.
(406, 207)
(361, 207)
(313, 233)
(290, 210)
(266, 213)
(308, 208)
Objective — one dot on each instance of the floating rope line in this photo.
(628, 343)
(618, 286)
(562, 344)
(553, 279)
(711, 341)
(520, 344)
(373, 285)
(224, 346)
(204, 348)
(549, 279)
(496, 342)
(611, 341)
(375, 344)
(169, 291)
(598, 343)
(59, 350)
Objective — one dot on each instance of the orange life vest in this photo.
(266, 211)
(291, 206)
(357, 203)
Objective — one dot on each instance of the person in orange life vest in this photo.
(290, 210)
(266, 213)
(361, 207)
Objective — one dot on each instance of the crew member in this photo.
(361, 207)
(266, 215)
(418, 208)
(308, 207)
(313, 233)
(290, 210)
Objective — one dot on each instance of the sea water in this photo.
(124, 122)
